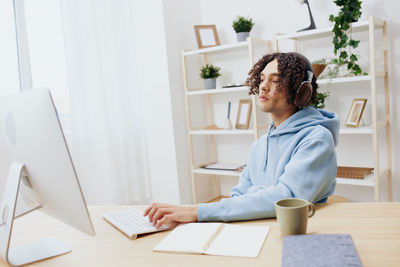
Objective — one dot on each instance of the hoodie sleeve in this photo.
(243, 185)
(310, 174)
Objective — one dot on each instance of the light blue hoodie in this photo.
(297, 159)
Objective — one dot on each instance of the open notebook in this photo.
(215, 239)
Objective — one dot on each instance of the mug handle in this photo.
(311, 208)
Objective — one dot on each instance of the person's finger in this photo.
(148, 209)
(165, 220)
(160, 213)
(154, 209)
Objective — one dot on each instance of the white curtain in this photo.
(107, 141)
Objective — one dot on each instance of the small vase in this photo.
(242, 36)
(228, 124)
(210, 83)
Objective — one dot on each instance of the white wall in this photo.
(288, 16)
(178, 33)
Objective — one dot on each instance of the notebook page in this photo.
(239, 240)
(188, 238)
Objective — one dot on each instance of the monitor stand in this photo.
(31, 252)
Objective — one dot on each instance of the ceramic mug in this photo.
(292, 215)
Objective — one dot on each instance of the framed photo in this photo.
(206, 36)
(356, 111)
(243, 115)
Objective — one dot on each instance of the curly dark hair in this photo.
(292, 70)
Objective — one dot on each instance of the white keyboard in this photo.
(131, 222)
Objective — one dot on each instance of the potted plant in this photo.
(350, 11)
(318, 66)
(331, 70)
(210, 73)
(242, 27)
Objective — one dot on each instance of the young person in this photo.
(296, 158)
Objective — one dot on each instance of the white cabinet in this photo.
(377, 84)
(208, 114)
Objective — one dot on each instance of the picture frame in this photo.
(206, 36)
(356, 112)
(243, 114)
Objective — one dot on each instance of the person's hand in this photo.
(171, 215)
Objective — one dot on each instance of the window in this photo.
(45, 44)
(9, 80)
(47, 53)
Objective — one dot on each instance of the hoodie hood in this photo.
(307, 117)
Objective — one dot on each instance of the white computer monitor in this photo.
(41, 173)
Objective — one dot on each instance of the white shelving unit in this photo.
(216, 172)
(247, 44)
(359, 130)
(359, 26)
(254, 131)
(370, 26)
(218, 91)
(344, 80)
(215, 132)
(367, 181)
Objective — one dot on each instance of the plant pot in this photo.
(242, 36)
(210, 83)
(318, 69)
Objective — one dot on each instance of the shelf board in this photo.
(367, 181)
(359, 130)
(327, 32)
(215, 48)
(344, 80)
(218, 90)
(216, 172)
(331, 199)
(200, 132)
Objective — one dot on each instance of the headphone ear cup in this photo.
(303, 96)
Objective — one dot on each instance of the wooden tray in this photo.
(353, 172)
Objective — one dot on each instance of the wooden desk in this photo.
(375, 228)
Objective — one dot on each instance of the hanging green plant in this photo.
(350, 11)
